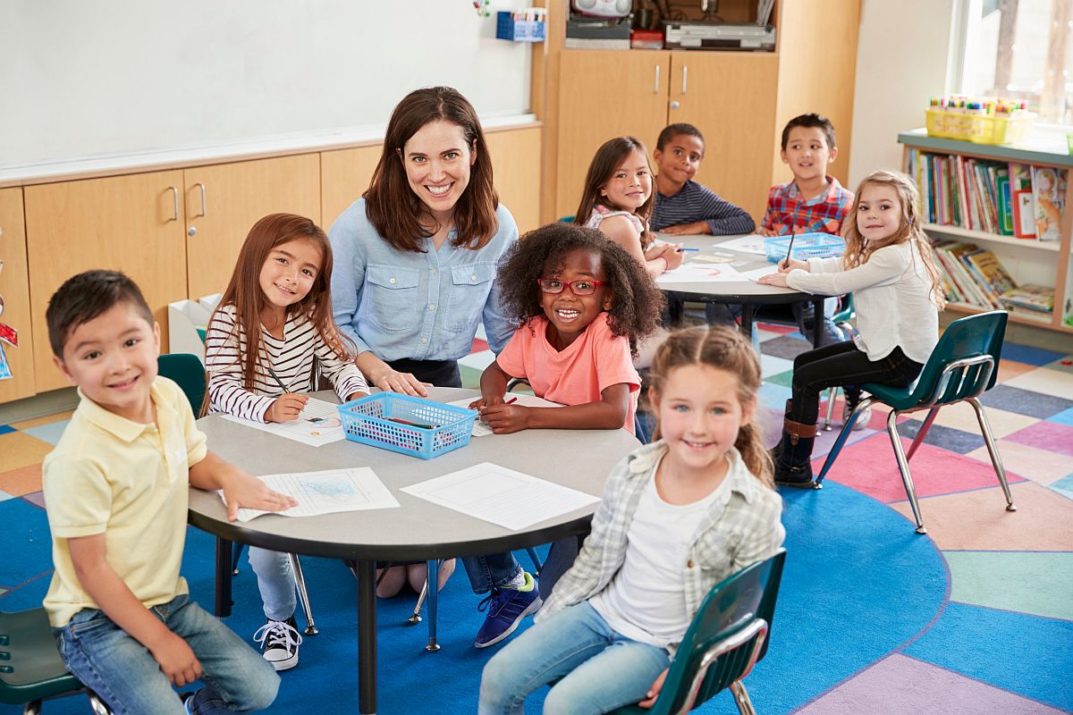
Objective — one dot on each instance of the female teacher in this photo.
(414, 275)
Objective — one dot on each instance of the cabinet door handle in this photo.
(655, 87)
(685, 78)
(204, 208)
(174, 203)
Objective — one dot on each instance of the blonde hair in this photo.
(723, 349)
(858, 251)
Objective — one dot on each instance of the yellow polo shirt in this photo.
(128, 481)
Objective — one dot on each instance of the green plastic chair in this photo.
(186, 370)
(727, 637)
(963, 365)
(31, 669)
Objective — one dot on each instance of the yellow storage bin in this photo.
(977, 128)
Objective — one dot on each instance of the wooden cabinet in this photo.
(344, 176)
(129, 223)
(15, 290)
(224, 200)
(516, 172)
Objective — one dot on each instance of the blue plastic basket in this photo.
(408, 425)
(806, 246)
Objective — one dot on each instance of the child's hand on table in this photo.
(789, 264)
(482, 402)
(356, 395)
(245, 490)
(773, 279)
(667, 251)
(286, 407)
(505, 417)
(697, 228)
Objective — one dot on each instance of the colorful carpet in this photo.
(975, 617)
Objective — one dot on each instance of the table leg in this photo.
(817, 321)
(223, 578)
(747, 319)
(367, 636)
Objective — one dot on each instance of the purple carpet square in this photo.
(35, 498)
(785, 346)
(1025, 402)
(946, 437)
(900, 684)
(1026, 354)
(1050, 436)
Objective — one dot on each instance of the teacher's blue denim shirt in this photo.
(422, 306)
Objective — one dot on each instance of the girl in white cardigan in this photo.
(889, 267)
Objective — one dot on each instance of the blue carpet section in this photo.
(1024, 654)
(33, 555)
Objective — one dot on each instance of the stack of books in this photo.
(974, 276)
(1008, 199)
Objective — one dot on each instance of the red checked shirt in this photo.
(787, 212)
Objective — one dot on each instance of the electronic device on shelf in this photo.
(718, 36)
(602, 8)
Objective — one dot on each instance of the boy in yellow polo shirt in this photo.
(116, 490)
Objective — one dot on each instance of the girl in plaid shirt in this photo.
(677, 517)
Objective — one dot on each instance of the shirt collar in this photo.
(120, 427)
(739, 478)
(833, 187)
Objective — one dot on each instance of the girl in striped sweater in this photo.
(268, 343)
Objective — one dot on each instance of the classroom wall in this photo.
(901, 62)
(81, 79)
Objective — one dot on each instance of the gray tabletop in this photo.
(739, 291)
(418, 530)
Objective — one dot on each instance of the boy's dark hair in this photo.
(810, 120)
(637, 302)
(85, 296)
(672, 130)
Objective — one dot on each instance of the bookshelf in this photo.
(1027, 261)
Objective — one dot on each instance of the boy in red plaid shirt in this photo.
(812, 203)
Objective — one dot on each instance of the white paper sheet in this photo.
(700, 273)
(326, 492)
(318, 424)
(757, 272)
(753, 243)
(501, 496)
(480, 429)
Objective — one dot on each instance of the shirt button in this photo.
(432, 306)
(689, 564)
(391, 281)
(424, 340)
(473, 277)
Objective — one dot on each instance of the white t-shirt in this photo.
(645, 601)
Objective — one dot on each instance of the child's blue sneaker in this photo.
(506, 609)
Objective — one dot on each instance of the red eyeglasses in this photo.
(582, 286)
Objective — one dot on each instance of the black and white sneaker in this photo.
(279, 643)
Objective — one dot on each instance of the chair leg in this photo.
(432, 586)
(741, 698)
(903, 467)
(831, 394)
(840, 441)
(303, 595)
(415, 617)
(236, 554)
(32, 708)
(992, 450)
(537, 566)
(922, 432)
(96, 704)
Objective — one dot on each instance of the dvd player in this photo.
(700, 36)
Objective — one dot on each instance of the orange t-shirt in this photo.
(595, 361)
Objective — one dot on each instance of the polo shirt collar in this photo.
(120, 427)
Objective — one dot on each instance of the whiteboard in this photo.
(88, 78)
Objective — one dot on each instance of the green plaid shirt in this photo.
(742, 528)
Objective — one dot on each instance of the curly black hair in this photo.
(637, 303)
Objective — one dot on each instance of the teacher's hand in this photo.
(773, 279)
(402, 382)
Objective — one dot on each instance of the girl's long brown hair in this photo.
(393, 207)
(723, 349)
(605, 162)
(858, 251)
(244, 290)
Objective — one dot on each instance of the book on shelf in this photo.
(1035, 298)
(990, 196)
(1048, 199)
(972, 275)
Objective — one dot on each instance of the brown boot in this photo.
(793, 465)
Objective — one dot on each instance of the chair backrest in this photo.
(186, 370)
(727, 637)
(964, 362)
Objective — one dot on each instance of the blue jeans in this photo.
(490, 571)
(126, 676)
(600, 670)
(275, 581)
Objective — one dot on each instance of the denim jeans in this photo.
(127, 677)
(275, 581)
(491, 571)
(843, 364)
(600, 670)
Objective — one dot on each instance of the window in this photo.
(1021, 49)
